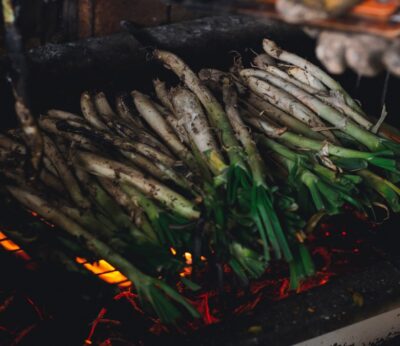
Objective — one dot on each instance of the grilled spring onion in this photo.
(278, 53)
(283, 100)
(230, 174)
(104, 167)
(262, 209)
(238, 174)
(237, 171)
(384, 159)
(328, 113)
(190, 112)
(157, 122)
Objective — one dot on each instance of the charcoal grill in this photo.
(368, 288)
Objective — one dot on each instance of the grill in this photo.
(358, 275)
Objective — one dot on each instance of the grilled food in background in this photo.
(361, 35)
(233, 167)
(366, 54)
(300, 11)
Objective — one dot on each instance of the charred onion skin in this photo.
(278, 53)
(190, 112)
(65, 173)
(111, 169)
(213, 108)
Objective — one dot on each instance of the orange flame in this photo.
(187, 271)
(188, 258)
(106, 272)
(9, 245)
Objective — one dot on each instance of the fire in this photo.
(106, 272)
(187, 271)
(188, 258)
(9, 245)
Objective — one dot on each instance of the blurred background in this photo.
(56, 21)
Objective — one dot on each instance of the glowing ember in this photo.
(188, 258)
(9, 245)
(106, 272)
(187, 271)
(203, 307)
